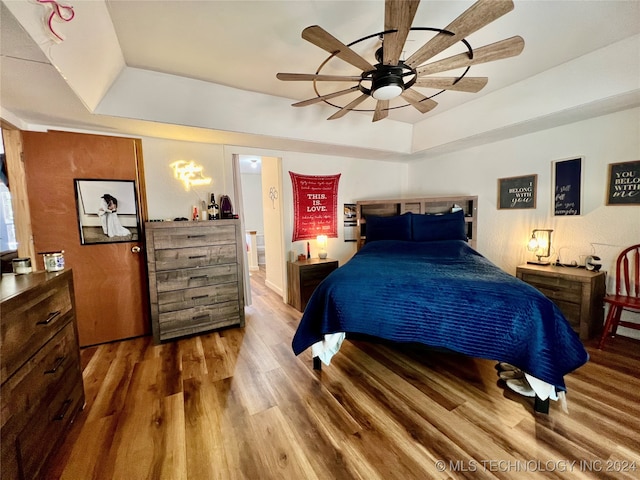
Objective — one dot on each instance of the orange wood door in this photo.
(110, 280)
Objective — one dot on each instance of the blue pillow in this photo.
(397, 227)
(448, 226)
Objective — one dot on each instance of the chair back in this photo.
(628, 272)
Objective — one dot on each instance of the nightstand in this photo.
(576, 291)
(303, 278)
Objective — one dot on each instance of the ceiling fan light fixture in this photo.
(387, 87)
(387, 92)
(393, 76)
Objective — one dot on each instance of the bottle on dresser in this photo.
(213, 209)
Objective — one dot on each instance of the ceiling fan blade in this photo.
(296, 77)
(398, 15)
(323, 39)
(382, 110)
(464, 84)
(477, 16)
(509, 47)
(311, 101)
(419, 101)
(344, 110)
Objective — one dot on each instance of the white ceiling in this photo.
(244, 44)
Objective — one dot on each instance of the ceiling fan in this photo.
(391, 77)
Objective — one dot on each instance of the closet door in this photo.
(110, 278)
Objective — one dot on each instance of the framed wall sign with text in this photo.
(624, 183)
(567, 182)
(517, 192)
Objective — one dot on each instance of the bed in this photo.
(417, 280)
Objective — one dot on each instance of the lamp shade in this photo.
(321, 241)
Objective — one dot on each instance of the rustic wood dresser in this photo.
(195, 276)
(42, 389)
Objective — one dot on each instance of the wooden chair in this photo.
(627, 292)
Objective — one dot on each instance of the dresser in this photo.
(195, 276)
(576, 291)
(42, 389)
(303, 276)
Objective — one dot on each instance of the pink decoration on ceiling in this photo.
(63, 12)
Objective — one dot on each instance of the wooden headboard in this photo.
(398, 206)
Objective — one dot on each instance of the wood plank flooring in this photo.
(237, 404)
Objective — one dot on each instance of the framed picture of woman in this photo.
(107, 211)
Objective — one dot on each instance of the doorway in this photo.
(261, 179)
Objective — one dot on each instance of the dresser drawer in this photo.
(195, 236)
(198, 319)
(555, 288)
(196, 277)
(181, 299)
(313, 276)
(571, 311)
(26, 327)
(41, 435)
(193, 257)
(38, 381)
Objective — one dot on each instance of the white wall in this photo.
(503, 234)
(252, 200)
(275, 260)
(167, 197)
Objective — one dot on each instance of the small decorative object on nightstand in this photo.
(303, 278)
(576, 291)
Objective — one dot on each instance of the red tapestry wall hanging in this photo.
(315, 203)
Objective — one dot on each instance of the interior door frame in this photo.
(12, 140)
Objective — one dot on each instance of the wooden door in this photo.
(110, 279)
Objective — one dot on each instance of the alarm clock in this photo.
(593, 263)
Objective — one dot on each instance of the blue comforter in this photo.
(443, 294)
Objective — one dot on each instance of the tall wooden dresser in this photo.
(42, 389)
(195, 276)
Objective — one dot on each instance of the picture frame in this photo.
(517, 192)
(623, 184)
(567, 178)
(107, 211)
(350, 222)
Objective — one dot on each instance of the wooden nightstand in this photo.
(303, 278)
(576, 291)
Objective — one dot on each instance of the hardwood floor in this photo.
(237, 404)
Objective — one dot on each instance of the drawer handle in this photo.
(197, 277)
(49, 319)
(199, 296)
(191, 257)
(199, 317)
(63, 410)
(195, 236)
(59, 362)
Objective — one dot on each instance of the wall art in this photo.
(517, 192)
(567, 182)
(107, 211)
(624, 183)
(314, 205)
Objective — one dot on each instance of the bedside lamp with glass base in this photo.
(540, 245)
